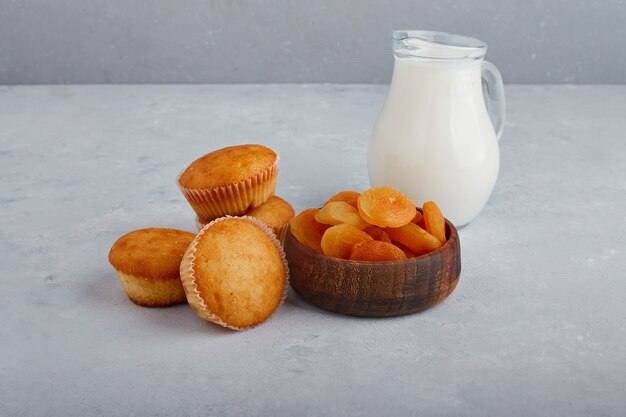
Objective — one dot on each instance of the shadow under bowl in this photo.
(375, 289)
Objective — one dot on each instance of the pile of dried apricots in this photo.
(381, 224)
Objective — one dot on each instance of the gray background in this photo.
(535, 328)
(224, 41)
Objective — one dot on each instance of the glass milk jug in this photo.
(436, 137)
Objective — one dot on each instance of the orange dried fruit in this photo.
(418, 217)
(408, 252)
(434, 221)
(415, 238)
(374, 250)
(339, 239)
(377, 233)
(386, 207)
(349, 197)
(307, 230)
(338, 212)
(419, 220)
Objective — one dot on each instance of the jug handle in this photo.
(493, 93)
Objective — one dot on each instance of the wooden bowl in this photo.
(375, 289)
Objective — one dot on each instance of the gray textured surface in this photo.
(225, 41)
(536, 326)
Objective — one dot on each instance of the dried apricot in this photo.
(377, 233)
(349, 197)
(374, 250)
(418, 217)
(308, 231)
(337, 212)
(339, 239)
(386, 207)
(415, 238)
(408, 252)
(434, 221)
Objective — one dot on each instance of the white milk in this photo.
(433, 139)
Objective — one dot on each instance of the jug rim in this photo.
(435, 45)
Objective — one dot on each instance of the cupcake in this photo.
(147, 262)
(230, 181)
(234, 272)
(276, 213)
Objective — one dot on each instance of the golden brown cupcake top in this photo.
(151, 253)
(239, 272)
(274, 212)
(227, 166)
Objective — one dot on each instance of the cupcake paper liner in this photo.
(189, 281)
(281, 232)
(233, 199)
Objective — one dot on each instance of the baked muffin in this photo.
(234, 272)
(148, 264)
(230, 181)
(276, 213)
